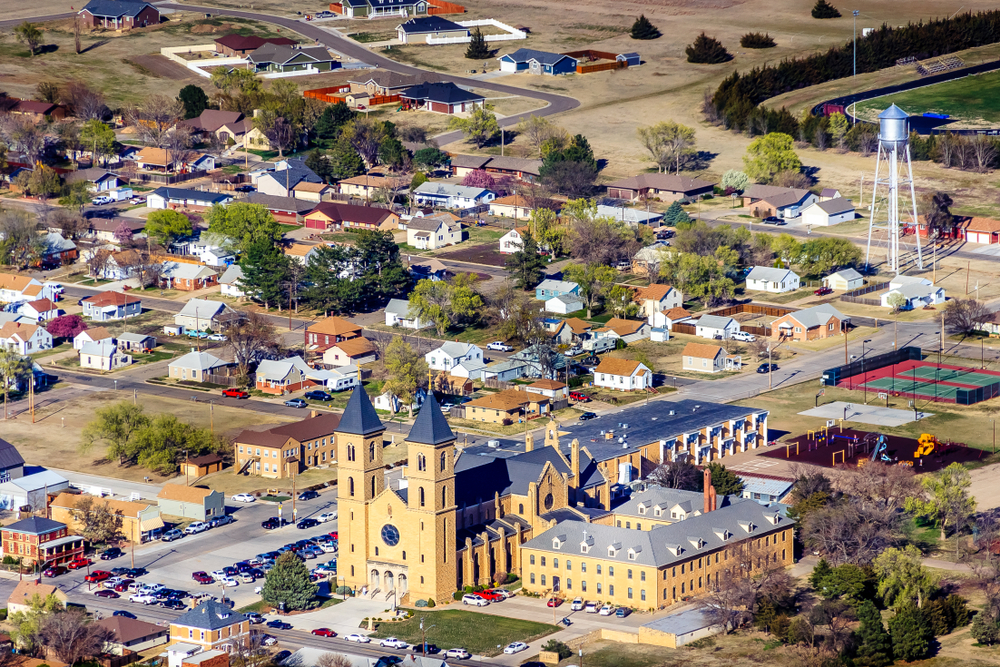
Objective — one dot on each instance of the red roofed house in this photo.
(330, 215)
(111, 305)
(982, 230)
(41, 310)
(665, 319)
(38, 111)
(657, 298)
(323, 335)
(237, 46)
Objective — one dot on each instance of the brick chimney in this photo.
(709, 490)
(574, 461)
(714, 499)
(529, 442)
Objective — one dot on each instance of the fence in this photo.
(327, 94)
(166, 179)
(592, 57)
(754, 309)
(680, 327)
(832, 376)
(511, 33)
(854, 296)
(438, 7)
(127, 658)
(493, 383)
(224, 380)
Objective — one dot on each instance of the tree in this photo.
(326, 130)
(911, 634)
(239, 225)
(44, 182)
(71, 636)
(87, 103)
(643, 29)
(769, 155)
(835, 615)
(707, 50)
(824, 10)
(678, 474)
(430, 158)
(405, 368)
(478, 178)
(787, 248)
(273, 125)
(480, 127)
(26, 624)
(123, 234)
(429, 302)
(537, 130)
(100, 524)
(574, 179)
(514, 315)
(985, 629)
(751, 577)
(725, 481)
(194, 100)
(668, 143)
(98, 137)
(902, 579)
(838, 126)
(735, 181)
(874, 645)
(329, 287)
(526, 267)
(823, 255)
(66, 326)
(965, 316)
(167, 225)
(345, 161)
(76, 196)
(265, 268)
(366, 135)
(379, 268)
(939, 217)
(897, 301)
(29, 35)
(251, 337)
(287, 586)
(757, 40)
(620, 301)
(48, 91)
(594, 280)
(559, 648)
(675, 214)
(948, 502)
(13, 369)
(117, 425)
(478, 49)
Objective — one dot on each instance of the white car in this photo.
(591, 608)
(392, 642)
(744, 336)
(216, 337)
(327, 516)
(196, 527)
(329, 547)
(243, 498)
(607, 610)
(218, 574)
(144, 598)
(360, 639)
(499, 346)
(228, 581)
(475, 600)
(246, 579)
(577, 605)
(98, 201)
(516, 647)
(268, 640)
(459, 653)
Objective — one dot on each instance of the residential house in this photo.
(41, 540)
(111, 305)
(326, 333)
(41, 310)
(771, 200)
(564, 304)
(419, 28)
(27, 590)
(540, 362)
(522, 169)
(281, 376)
(829, 212)
(446, 98)
(103, 356)
(383, 83)
(100, 180)
(223, 125)
(180, 198)
(623, 375)
(131, 634)
(230, 281)
(505, 371)
(657, 298)
(827, 194)
(118, 14)
(191, 502)
(991, 324)
(508, 406)
(770, 279)
(56, 250)
(136, 342)
(427, 269)
(703, 358)
(11, 462)
(468, 369)
(282, 182)
(103, 230)
(14, 288)
(286, 210)
(648, 260)
(664, 187)
(433, 232)
(314, 192)
(285, 58)
(199, 466)
(446, 195)
(512, 241)
(716, 327)
(667, 318)
(397, 314)
(391, 403)
(630, 216)
(629, 331)
(352, 352)
(537, 62)
(288, 449)
(450, 354)
(552, 389)
(210, 625)
(25, 338)
(917, 294)
(196, 367)
(202, 314)
(982, 230)
(337, 216)
(844, 280)
(301, 252)
(375, 9)
(235, 45)
(35, 110)
(816, 323)
(141, 521)
(367, 185)
(560, 332)
(512, 206)
(92, 335)
(550, 287)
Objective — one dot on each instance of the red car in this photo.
(97, 575)
(202, 578)
(489, 596)
(324, 632)
(123, 585)
(235, 393)
(78, 563)
(54, 571)
(334, 535)
(105, 593)
(823, 291)
(577, 396)
(553, 602)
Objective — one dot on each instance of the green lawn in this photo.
(477, 633)
(972, 98)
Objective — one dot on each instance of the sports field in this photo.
(970, 101)
(922, 379)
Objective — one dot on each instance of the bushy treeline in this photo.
(737, 96)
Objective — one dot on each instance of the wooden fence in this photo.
(592, 57)
(330, 95)
(680, 327)
(754, 309)
(224, 380)
(856, 296)
(438, 7)
(493, 383)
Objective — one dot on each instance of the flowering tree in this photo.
(66, 326)
(123, 234)
(478, 178)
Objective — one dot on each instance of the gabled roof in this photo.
(455, 349)
(100, 348)
(507, 400)
(450, 190)
(211, 120)
(578, 326)
(551, 385)
(398, 307)
(654, 292)
(335, 326)
(279, 369)
(280, 204)
(203, 308)
(193, 195)
(111, 298)
(232, 274)
(835, 206)
(356, 347)
(250, 42)
(209, 615)
(677, 313)
(321, 425)
(430, 427)
(714, 321)
(664, 182)
(557, 285)
(623, 327)
(94, 333)
(769, 274)
(130, 629)
(9, 456)
(443, 93)
(616, 366)
(282, 53)
(359, 416)
(21, 330)
(847, 274)
(42, 305)
(199, 361)
(702, 351)
(184, 494)
(424, 24)
(115, 8)
(542, 57)
(816, 316)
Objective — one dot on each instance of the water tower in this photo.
(893, 162)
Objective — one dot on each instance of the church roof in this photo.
(430, 427)
(359, 417)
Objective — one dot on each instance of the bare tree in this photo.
(87, 103)
(680, 474)
(985, 151)
(250, 652)
(178, 143)
(154, 117)
(72, 637)
(250, 338)
(333, 660)
(879, 485)
(851, 531)
(837, 615)
(966, 315)
(752, 576)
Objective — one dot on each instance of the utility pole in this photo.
(186, 468)
(855, 13)
(846, 360)
(31, 396)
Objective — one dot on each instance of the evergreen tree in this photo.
(707, 50)
(194, 100)
(911, 635)
(345, 161)
(325, 289)
(757, 40)
(288, 584)
(725, 481)
(327, 127)
(985, 629)
(320, 165)
(525, 265)
(264, 268)
(675, 214)
(478, 48)
(643, 29)
(824, 10)
(874, 645)
(817, 579)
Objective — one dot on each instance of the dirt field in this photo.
(480, 254)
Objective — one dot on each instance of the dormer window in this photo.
(747, 526)
(557, 541)
(696, 542)
(722, 533)
(642, 509)
(675, 549)
(633, 552)
(773, 518)
(613, 549)
(584, 549)
(657, 511)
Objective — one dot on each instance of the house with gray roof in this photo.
(537, 62)
(11, 462)
(766, 489)
(202, 314)
(770, 279)
(550, 287)
(447, 195)
(229, 281)
(815, 323)
(828, 212)
(119, 14)
(210, 625)
(419, 28)
(915, 294)
(397, 314)
(715, 327)
(451, 354)
(103, 355)
(284, 58)
(196, 366)
(844, 280)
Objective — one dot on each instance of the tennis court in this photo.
(918, 378)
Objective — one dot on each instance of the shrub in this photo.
(707, 50)
(643, 29)
(556, 646)
(507, 421)
(3, 614)
(457, 595)
(430, 602)
(824, 10)
(421, 603)
(756, 40)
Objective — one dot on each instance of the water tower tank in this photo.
(893, 130)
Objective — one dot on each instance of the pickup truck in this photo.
(499, 346)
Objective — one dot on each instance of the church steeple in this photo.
(360, 417)
(430, 427)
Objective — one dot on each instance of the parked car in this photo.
(78, 563)
(744, 336)
(254, 618)
(474, 600)
(308, 495)
(578, 396)
(327, 516)
(244, 188)
(606, 610)
(221, 521)
(590, 608)
(235, 393)
(554, 602)
(623, 612)
(111, 553)
(142, 598)
(767, 368)
(577, 605)
(273, 522)
(392, 642)
(100, 201)
(279, 624)
(196, 527)
(135, 572)
(106, 593)
(97, 575)
(499, 346)
(588, 416)
(55, 571)
(268, 640)
(122, 612)
(324, 632)
(355, 637)
(122, 586)
(296, 403)
(171, 535)
(280, 655)
(317, 395)
(243, 498)
(823, 291)
(459, 653)
(773, 220)
(307, 523)
(429, 648)
(515, 647)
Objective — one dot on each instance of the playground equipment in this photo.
(927, 444)
(817, 438)
(878, 452)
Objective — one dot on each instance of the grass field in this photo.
(973, 100)
(476, 633)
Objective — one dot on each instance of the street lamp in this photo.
(769, 366)
(116, 385)
(864, 372)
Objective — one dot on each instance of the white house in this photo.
(550, 287)
(135, 342)
(397, 314)
(41, 310)
(468, 368)
(25, 338)
(716, 327)
(657, 298)
(549, 388)
(505, 371)
(512, 241)
(447, 195)
(829, 212)
(15, 288)
(195, 366)
(451, 354)
(917, 295)
(564, 304)
(844, 280)
(775, 281)
(391, 403)
(334, 379)
(623, 375)
(111, 305)
(103, 356)
(302, 252)
(201, 314)
(667, 318)
(433, 232)
(230, 282)
(704, 358)
(180, 197)
(93, 335)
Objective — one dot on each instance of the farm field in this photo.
(973, 101)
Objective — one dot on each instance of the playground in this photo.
(833, 446)
(926, 380)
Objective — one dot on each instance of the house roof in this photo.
(92, 174)
(127, 630)
(9, 281)
(914, 290)
(283, 53)
(335, 326)
(208, 615)
(250, 42)
(115, 8)
(449, 190)
(29, 588)
(265, 438)
(100, 348)
(231, 275)
(816, 316)
(292, 176)
(578, 326)
(714, 321)
(203, 308)
(34, 107)
(542, 57)
(300, 249)
(847, 274)
(127, 508)
(36, 525)
(616, 366)
(769, 274)
(134, 337)
(9, 456)
(432, 224)
(442, 93)
(759, 191)
(557, 285)
(470, 161)
(387, 79)
(664, 182)
(193, 195)
(835, 206)
(430, 427)
(654, 292)
(427, 266)
(42, 305)
(507, 400)
(525, 165)
(199, 361)
(398, 307)
(356, 347)
(630, 215)
(359, 416)
(111, 298)
(322, 425)
(623, 327)
(280, 204)
(279, 369)
(424, 24)
(702, 351)
(19, 329)
(376, 181)
(829, 192)
(211, 120)
(312, 187)
(550, 385)
(95, 333)
(455, 349)
(340, 213)
(568, 300)
(985, 225)
(184, 494)
(678, 313)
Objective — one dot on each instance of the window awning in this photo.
(147, 525)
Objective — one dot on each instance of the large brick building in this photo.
(289, 449)
(119, 14)
(40, 540)
(211, 626)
